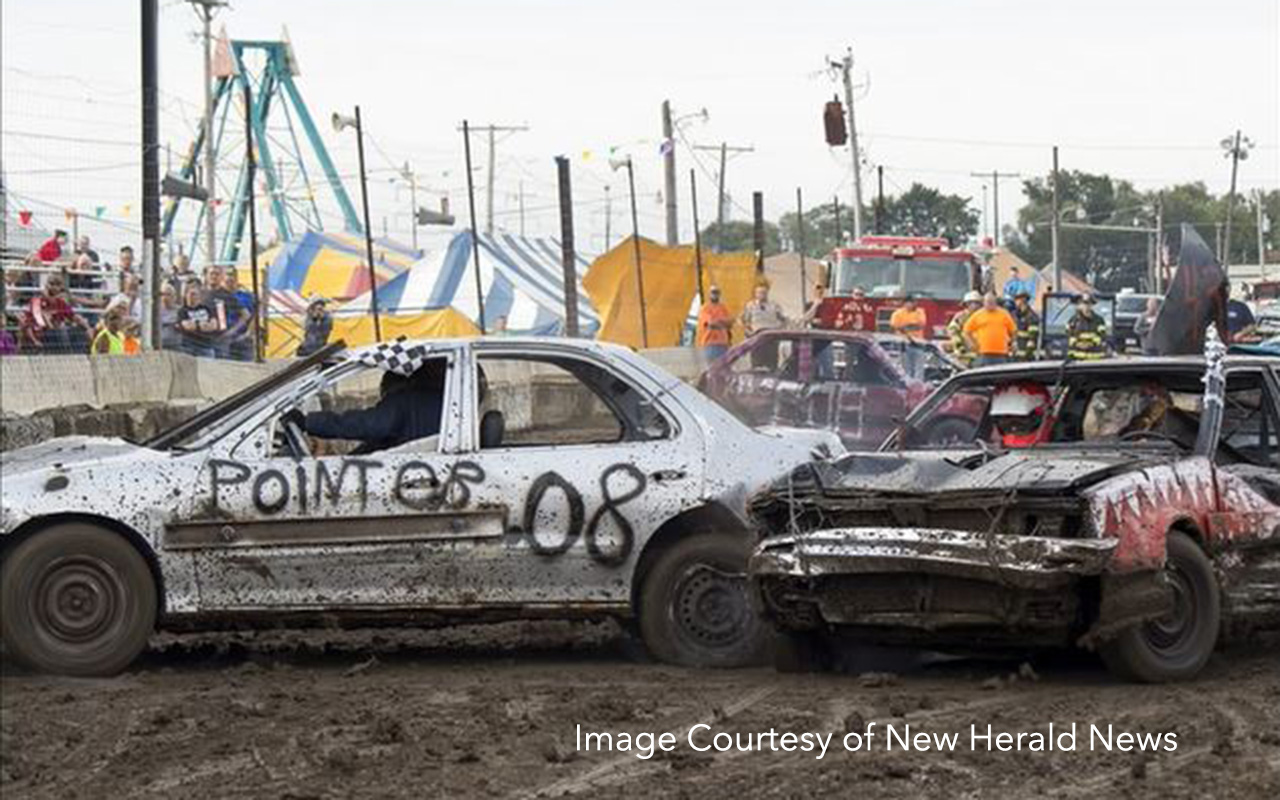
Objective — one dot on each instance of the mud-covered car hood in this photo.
(67, 452)
(922, 473)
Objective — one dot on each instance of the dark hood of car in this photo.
(1039, 471)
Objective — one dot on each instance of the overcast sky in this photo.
(1141, 90)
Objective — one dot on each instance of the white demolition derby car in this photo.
(493, 479)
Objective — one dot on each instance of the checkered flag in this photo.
(398, 357)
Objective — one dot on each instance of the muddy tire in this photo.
(694, 608)
(1174, 647)
(77, 600)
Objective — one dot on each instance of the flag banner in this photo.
(24, 219)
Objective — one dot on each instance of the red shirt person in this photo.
(51, 325)
(51, 250)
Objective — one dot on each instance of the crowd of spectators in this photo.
(63, 299)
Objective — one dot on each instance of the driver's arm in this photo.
(379, 423)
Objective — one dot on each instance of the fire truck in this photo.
(887, 269)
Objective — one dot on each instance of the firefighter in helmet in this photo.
(955, 328)
(1022, 414)
(1086, 332)
(1026, 341)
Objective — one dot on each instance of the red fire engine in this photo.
(887, 269)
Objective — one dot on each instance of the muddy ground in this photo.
(491, 712)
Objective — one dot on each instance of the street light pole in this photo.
(1053, 230)
(340, 123)
(1237, 151)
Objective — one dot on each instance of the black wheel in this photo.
(801, 652)
(950, 430)
(1176, 646)
(694, 608)
(76, 599)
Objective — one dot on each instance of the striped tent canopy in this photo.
(333, 266)
(522, 279)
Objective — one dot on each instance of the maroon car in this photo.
(842, 380)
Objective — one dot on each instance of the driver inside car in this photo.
(408, 409)
(1022, 414)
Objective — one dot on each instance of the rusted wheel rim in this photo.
(78, 599)
(1168, 633)
(711, 606)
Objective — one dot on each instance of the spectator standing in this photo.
(989, 332)
(169, 336)
(319, 326)
(226, 310)
(909, 320)
(715, 324)
(197, 324)
(955, 328)
(1016, 284)
(51, 325)
(110, 339)
(1145, 324)
(1240, 320)
(810, 319)
(1086, 332)
(239, 334)
(180, 272)
(83, 248)
(762, 314)
(129, 301)
(1027, 341)
(51, 250)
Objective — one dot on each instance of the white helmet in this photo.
(972, 297)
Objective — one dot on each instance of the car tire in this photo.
(76, 599)
(693, 606)
(1177, 646)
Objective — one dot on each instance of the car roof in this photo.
(532, 342)
(1121, 363)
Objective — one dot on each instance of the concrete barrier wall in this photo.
(136, 397)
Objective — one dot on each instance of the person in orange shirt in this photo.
(909, 320)
(989, 332)
(714, 325)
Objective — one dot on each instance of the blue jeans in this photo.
(714, 351)
(197, 348)
(986, 361)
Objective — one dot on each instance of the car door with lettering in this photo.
(291, 521)
(586, 463)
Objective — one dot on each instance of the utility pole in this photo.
(879, 199)
(995, 177)
(757, 228)
(206, 9)
(846, 67)
(804, 278)
(608, 219)
(1237, 151)
(1053, 229)
(669, 175)
(475, 240)
(1158, 283)
(151, 172)
(493, 131)
(722, 205)
(697, 236)
(567, 255)
(1262, 244)
(408, 174)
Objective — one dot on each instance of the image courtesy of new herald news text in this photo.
(551, 398)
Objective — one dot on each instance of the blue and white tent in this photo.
(522, 279)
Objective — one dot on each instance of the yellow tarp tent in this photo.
(284, 333)
(669, 289)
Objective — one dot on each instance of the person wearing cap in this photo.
(909, 320)
(714, 325)
(1028, 337)
(955, 328)
(319, 326)
(1086, 332)
(989, 332)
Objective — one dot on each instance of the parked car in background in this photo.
(540, 478)
(843, 381)
(1130, 306)
(1130, 506)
